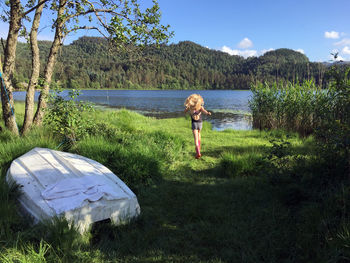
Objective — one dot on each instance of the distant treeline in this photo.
(91, 63)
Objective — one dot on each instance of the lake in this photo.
(229, 107)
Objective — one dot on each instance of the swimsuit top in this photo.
(196, 116)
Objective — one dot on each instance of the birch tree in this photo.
(123, 22)
(15, 17)
(33, 82)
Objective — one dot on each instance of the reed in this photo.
(290, 106)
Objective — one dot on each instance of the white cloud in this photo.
(228, 50)
(244, 53)
(262, 52)
(248, 53)
(245, 43)
(343, 42)
(332, 34)
(254, 53)
(346, 50)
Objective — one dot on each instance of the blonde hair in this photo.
(194, 102)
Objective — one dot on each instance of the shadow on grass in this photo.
(233, 221)
(218, 151)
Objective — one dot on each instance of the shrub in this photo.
(67, 117)
(333, 132)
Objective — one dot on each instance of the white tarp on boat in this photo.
(55, 183)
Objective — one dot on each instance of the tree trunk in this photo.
(39, 115)
(29, 104)
(9, 65)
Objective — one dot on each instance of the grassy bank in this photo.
(254, 196)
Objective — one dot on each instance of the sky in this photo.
(315, 28)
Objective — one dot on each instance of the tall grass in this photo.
(28, 254)
(290, 106)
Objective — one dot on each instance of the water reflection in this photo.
(222, 121)
(230, 107)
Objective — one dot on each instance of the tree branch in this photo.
(86, 28)
(93, 11)
(97, 11)
(34, 7)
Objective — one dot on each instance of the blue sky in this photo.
(252, 27)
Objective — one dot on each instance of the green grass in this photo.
(228, 206)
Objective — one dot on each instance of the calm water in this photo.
(229, 107)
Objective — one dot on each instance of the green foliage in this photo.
(278, 154)
(67, 118)
(136, 27)
(306, 109)
(333, 133)
(322, 177)
(127, 22)
(91, 63)
(284, 55)
(293, 107)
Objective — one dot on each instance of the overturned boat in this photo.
(55, 183)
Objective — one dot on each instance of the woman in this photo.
(194, 104)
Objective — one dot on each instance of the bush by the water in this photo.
(67, 117)
(333, 131)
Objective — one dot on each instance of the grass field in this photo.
(232, 205)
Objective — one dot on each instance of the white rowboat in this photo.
(55, 183)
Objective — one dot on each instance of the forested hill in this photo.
(89, 62)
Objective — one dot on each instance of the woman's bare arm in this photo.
(205, 111)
